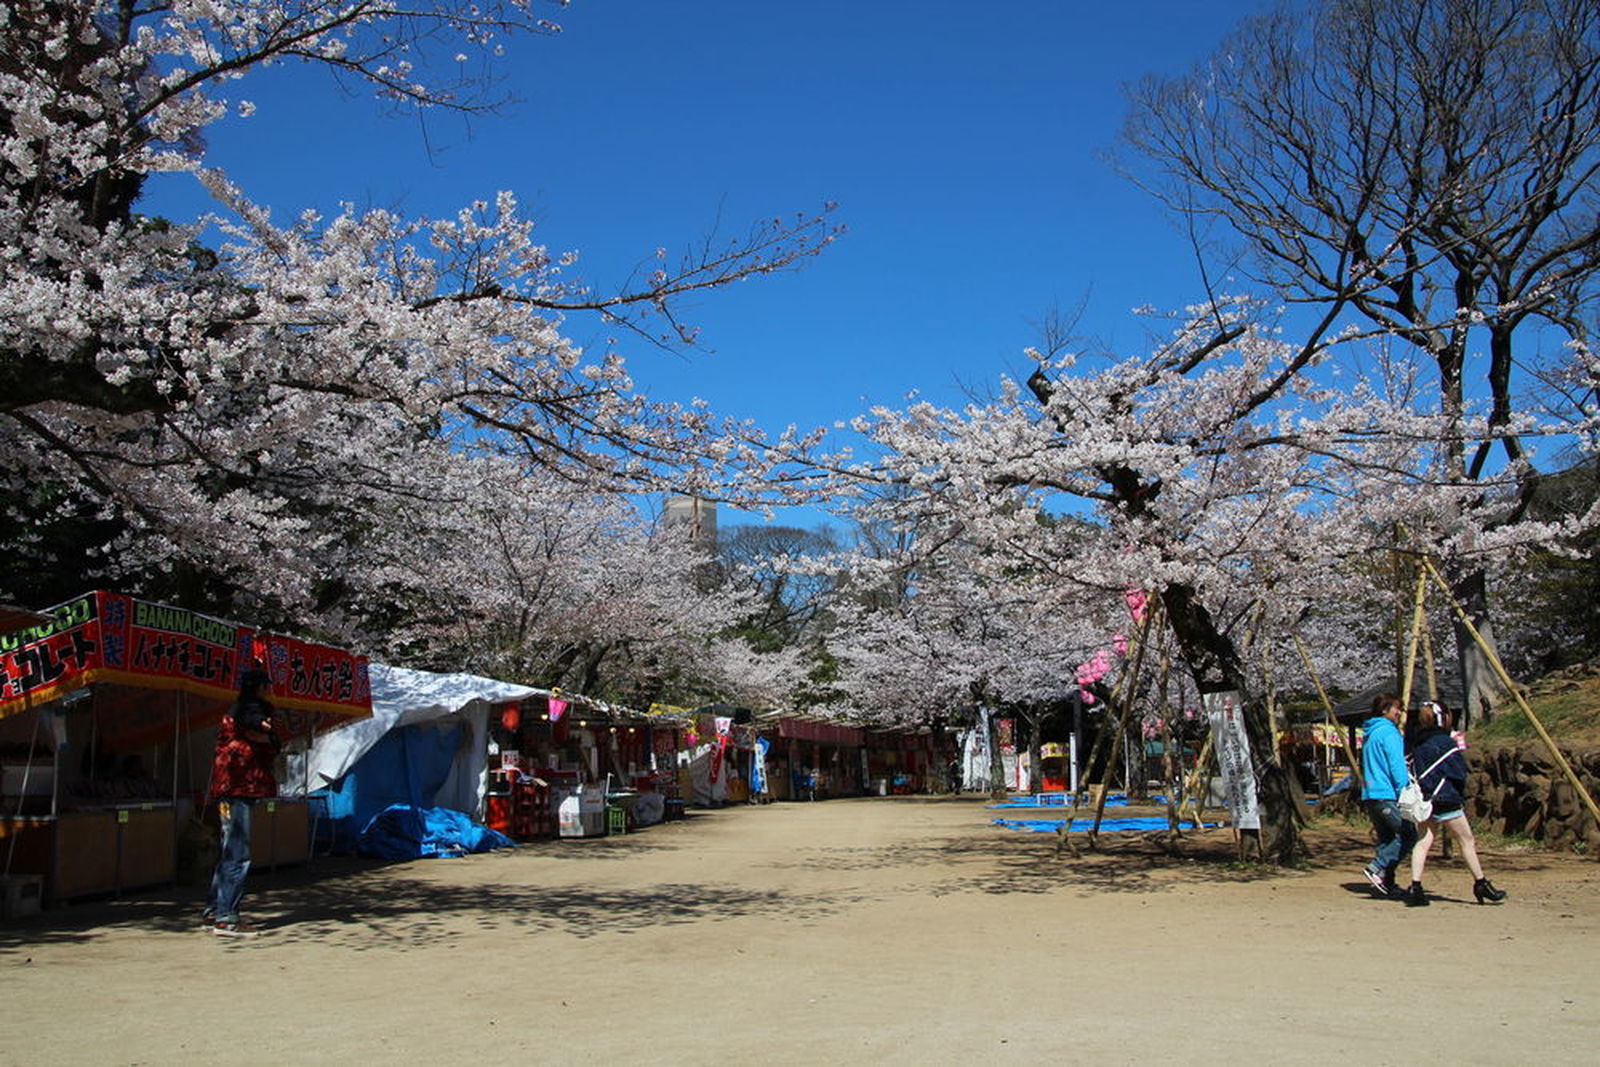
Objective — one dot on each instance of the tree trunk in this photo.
(1215, 663)
(997, 765)
(1481, 691)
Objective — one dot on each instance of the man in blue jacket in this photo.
(1383, 767)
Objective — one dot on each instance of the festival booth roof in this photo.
(814, 729)
(1357, 708)
(145, 662)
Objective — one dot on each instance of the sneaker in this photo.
(1377, 880)
(208, 919)
(235, 928)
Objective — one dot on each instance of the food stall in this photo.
(572, 766)
(108, 714)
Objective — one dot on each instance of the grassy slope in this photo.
(1568, 704)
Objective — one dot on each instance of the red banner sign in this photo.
(111, 638)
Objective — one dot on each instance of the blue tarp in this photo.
(405, 766)
(1062, 800)
(1343, 785)
(1050, 826)
(402, 832)
(426, 746)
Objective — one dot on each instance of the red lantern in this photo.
(511, 717)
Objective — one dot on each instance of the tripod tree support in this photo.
(1129, 687)
(1505, 680)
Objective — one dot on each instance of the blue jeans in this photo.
(227, 881)
(1395, 836)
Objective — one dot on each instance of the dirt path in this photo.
(884, 930)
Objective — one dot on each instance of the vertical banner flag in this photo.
(758, 766)
(724, 727)
(1232, 745)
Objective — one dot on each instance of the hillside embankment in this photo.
(1516, 787)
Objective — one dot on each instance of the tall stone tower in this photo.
(696, 516)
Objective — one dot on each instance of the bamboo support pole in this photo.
(1192, 792)
(1327, 705)
(1419, 600)
(1102, 739)
(1269, 677)
(1167, 764)
(1427, 661)
(1130, 683)
(1101, 743)
(1505, 680)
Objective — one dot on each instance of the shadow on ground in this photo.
(993, 860)
(360, 904)
(370, 907)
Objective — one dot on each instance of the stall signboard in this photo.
(111, 638)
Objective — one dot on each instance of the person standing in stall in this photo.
(248, 741)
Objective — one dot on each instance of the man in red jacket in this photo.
(248, 741)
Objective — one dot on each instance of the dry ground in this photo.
(893, 930)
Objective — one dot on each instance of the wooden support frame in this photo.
(1505, 680)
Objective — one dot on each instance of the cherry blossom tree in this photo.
(540, 580)
(1222, 473)
(775, 563)
(957, 631)
(1428, 167)
(233, 405)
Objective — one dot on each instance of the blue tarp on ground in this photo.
(1050, 826)
(402, 832)
(1064, 800)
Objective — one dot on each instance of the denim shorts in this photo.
(1446, 816)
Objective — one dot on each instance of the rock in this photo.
(1562, 801)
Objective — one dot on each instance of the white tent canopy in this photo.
(403, 697)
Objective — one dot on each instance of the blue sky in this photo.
(962, 143)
